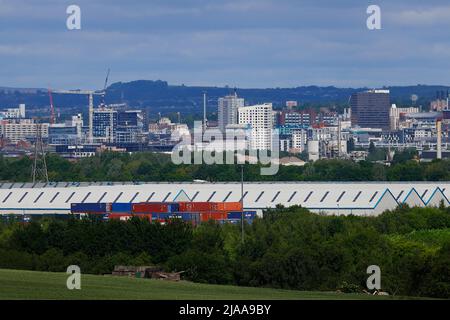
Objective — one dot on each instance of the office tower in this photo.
(104, 125)
(370, 109)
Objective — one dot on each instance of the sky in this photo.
(239, 43)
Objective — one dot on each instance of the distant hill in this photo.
(159, 96)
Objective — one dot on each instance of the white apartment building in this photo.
(23, 129)
(259, 118)
(228, 110)
(13, 113)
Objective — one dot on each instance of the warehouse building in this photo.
(327, 197)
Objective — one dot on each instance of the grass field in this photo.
(15, 284)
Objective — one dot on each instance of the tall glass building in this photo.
(370, 109)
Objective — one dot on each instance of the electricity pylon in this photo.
(40, 173)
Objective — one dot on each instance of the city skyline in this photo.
(255, 44)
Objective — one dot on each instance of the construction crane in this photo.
(90, 94)
(104, 88)
(52, 107)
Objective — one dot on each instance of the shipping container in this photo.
(150, 207)
(90, 207)
(190, 216)
(160, 216)
(237, 215)
(229, 206)
(208, 215)
(210, 206)
(197, 206)
(121, 207)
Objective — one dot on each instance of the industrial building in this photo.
(356, 198)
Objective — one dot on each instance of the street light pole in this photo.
(242, 202)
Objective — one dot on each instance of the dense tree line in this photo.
(159, 167)
(288, 248)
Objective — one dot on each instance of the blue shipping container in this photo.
(237, 215)
(90, 207)
(157, 215)
(173, 207)
(185, 216)
(121, 207)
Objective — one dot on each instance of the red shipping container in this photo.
(149, 207)
(197, 206)
(215, 215)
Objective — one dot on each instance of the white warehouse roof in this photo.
(368, 198)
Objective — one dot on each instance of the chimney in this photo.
(439, 139)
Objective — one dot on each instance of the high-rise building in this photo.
(228, 110)
(260, 120)
(370, 109)
(104, 125)
(130, 126)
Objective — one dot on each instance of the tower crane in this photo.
(104, 88)
(90, 94)
(52, 107)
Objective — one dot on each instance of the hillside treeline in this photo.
(288, 248)
(159, 167)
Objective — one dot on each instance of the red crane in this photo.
(52, 108)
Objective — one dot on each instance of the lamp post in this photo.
(242, 202)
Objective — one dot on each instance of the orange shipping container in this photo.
(229, 206)
(206, 216)
(210, 206)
